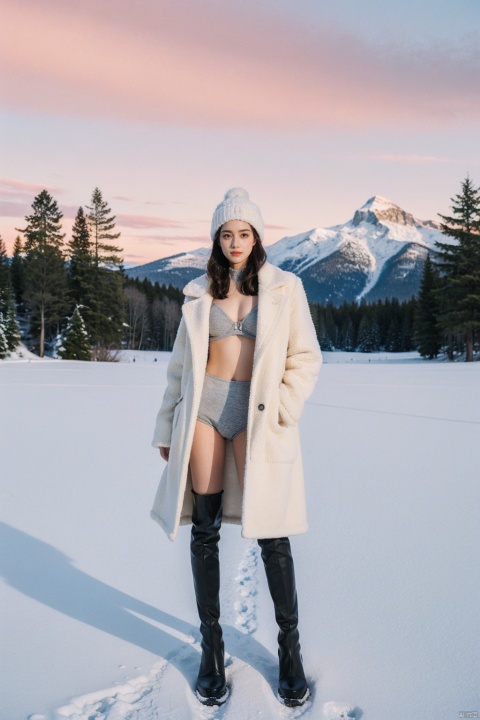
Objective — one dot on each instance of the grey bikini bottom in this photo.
(224, 405)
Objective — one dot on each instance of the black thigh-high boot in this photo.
(278, 561)
(211, 687)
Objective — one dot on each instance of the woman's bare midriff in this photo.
(231, 358)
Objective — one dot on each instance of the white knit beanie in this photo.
(236, 205)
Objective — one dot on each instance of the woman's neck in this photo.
(237, 275)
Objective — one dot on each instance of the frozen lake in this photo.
(98, 612)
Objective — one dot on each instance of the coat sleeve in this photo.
(162, 435)
(304, 359)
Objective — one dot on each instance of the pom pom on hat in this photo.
(236, 205)
(236, 192)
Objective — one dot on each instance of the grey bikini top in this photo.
(221, 325)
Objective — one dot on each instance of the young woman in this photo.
(245, 360)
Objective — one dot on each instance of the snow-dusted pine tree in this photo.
(75, 344)
(81, 269)
(12, 330)
(3, 338)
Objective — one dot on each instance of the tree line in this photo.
(73, 299)
(386, 325)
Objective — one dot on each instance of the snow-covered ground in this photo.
(98, 613)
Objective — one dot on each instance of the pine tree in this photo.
(45, 272)
(426, 328)
(108, 274)
(81, 269)
(385, 312)
(323, 338)
(348, 335)
(5, 279)
(393, 342)
(12, 330)
(369, 332)
(459, 264)
(7, 301)
(17, 271)
(330, 329)
(407, 324)
(75, 344)
(3, 339)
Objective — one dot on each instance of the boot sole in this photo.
(213, 700)
(294, 702)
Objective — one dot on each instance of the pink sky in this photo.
(165, 105)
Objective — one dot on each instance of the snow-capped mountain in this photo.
(379, 253)
(175, 270)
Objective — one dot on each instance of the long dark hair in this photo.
(218, 268)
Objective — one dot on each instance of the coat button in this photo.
(261, 406)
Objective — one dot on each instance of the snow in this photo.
(195, 258)
(98, 614)
(22, 354)
(377, 202)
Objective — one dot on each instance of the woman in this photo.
(245, 359)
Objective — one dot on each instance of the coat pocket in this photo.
(281, 444)
(280, 440)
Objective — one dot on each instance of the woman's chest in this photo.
(238, 306)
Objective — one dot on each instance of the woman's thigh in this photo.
(239, 443)
(207, 459)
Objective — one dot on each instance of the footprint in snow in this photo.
(246, 607)
(341, 711)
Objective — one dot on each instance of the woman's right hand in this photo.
(164, 452)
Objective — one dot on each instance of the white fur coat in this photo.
(286, 363)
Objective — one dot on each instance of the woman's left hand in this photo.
(164, 452)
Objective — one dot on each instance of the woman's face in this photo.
(236, 240)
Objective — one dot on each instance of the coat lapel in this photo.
(270, 306)
(197, 312)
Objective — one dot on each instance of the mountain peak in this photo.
(378, 200)
(378, 209)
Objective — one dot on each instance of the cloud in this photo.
(412, 159)
(20, 188)
(147, 221)
(276, 227)
(169, 240)
(15, 210)
(227, 65)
